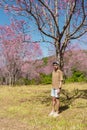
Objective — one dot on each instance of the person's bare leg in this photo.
(56, 114)
(53, 104)
(58, 105)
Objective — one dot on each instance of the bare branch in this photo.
(51, 15)
(69, 18)
(75, 37)
(83, 20)
(40, 28)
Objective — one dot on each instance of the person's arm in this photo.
(60, 82)
(60, 86)
(61, 79)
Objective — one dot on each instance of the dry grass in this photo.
(27, 108)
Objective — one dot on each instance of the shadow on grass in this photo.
(66, 98)
(63, 108)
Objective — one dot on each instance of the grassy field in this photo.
(27, 108)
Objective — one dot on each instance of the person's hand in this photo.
(58, 90)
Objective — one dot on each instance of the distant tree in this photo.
(32, 69)
(75, 60)
(15, 51)
(59, 20)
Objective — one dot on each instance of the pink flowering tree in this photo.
(75, 59)
(17, 48)
(58, 20)
(31, 70)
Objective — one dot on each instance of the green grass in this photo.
(27, 108)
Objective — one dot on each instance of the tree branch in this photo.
(68, 20)
(79, 35)
(51, 15)
(84, 16)
(36, 19)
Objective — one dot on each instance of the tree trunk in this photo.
(59, 55)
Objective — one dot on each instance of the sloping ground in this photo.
(27, 108)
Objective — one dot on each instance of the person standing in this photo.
(57, 78)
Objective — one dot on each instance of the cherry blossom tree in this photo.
(59, 20)
(32, 70)
(75, 59)
(15, 51)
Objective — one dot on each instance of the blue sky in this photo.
(4, 18)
